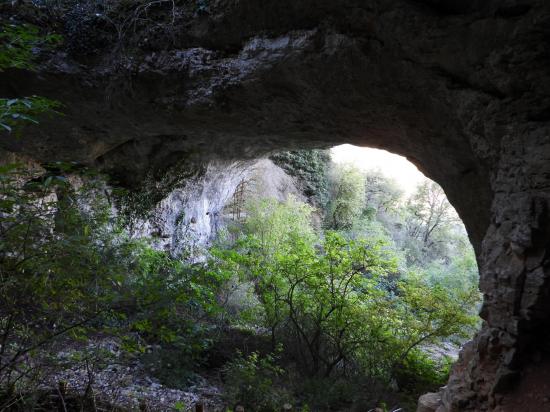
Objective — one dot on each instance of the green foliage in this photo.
(19, 111)
(68, 271)
(250, 382)
(179, 406)
(420, 374)
(429, 312)
(17, 43)
(424, 231)
(459, 272)
(273, 224)
(59, 267)
(336, 304)
(347, 196)
(430, 220)
(382, 194)
(311, 169)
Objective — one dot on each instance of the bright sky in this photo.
(392, 165)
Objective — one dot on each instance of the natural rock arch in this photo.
(460, 88)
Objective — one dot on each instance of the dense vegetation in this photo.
(69, 272)
(310, 168)
(334, 307)
(341, 317)
(359, 303)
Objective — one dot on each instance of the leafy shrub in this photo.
(17, 43)
(419, 374)
(16, 51)
(69, 271)
(18, 111)
(173, 366)
(347, 197)
(336, 303)
(251, 380)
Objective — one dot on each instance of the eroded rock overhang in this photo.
(460, 88)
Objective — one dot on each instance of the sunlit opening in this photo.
(391, 165)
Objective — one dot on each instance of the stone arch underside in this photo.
(462, 89)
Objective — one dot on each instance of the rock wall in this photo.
(267, 180)
(461, 88)
(515, 281)
(186, 221)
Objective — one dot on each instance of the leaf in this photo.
(10, 167)
(30, 119)
(179, 406)
(6, 205)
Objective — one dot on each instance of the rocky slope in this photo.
(462, 88)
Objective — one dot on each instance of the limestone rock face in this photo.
(188, 219)
(429, 402)
(266, 180)
(462, 88)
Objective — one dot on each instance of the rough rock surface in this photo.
(127, 385)
(429, 402)
(188, 219)
(267, 180)
(462, 88)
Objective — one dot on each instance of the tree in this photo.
(431, 311)
(273, 223)
(59, 267)
(430, 221)
(318, 301)
(347, 197)
(382, 194)
(335, 304)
